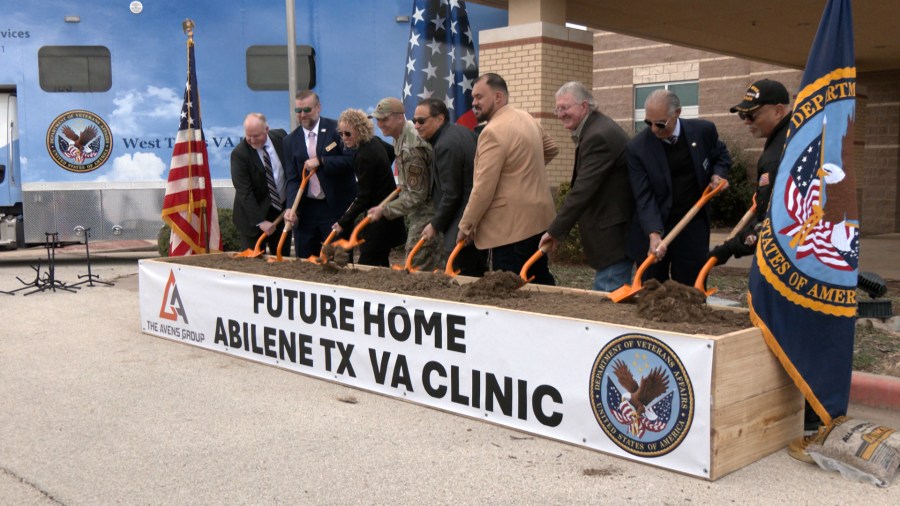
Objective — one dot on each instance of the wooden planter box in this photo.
(722, 402)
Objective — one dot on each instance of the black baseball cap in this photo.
(762, 92)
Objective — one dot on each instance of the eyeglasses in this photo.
(307, 110)
(421, 120)
(560, 110)
(658, 124)
(346, 133)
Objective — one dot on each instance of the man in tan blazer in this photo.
(510, 206)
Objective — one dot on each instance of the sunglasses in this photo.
(749, 116)
(307, 110)
(346, 133)
(421, 120)
(658, 124)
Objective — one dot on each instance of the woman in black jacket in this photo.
(375, 179)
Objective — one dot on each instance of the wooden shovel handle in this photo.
(708, 193)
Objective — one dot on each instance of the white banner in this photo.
(639, 394)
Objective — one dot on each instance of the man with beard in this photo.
(316, 144)
(510, 205)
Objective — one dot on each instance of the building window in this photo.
(267, 68)
(64, 69)
(688, 92)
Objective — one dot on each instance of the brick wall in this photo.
(534, 68)
(879, 136)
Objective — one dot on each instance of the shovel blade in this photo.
(624, 292)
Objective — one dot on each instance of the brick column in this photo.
(535, 59)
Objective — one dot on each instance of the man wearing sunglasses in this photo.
(670, 163)
(413, 177)
(766, 112)
(316, 145)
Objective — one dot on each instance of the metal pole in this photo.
(292, 60)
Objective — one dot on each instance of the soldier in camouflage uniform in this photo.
(414, 178)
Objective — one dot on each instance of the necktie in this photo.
(270, 182)
(315, 187)
(673, 139)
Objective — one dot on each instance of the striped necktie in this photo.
(270, 182)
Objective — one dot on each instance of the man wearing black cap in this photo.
(766, 113)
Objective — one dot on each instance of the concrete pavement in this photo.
(97, 413)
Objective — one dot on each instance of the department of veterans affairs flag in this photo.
(803, 279)
(189, 207)
(440, 61)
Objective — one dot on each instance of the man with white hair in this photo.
(600, 199)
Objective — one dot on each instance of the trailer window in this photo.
(74, 68)
(267, 68)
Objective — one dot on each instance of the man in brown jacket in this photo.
(510, 205)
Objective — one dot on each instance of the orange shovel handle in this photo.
(528, 263)
(354, 237)
(409, 259)
(449, 269)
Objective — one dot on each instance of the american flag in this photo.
(804, 202)
(622, 411)
(189, 207)
(441, 59)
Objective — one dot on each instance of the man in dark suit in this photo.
(452, 167)
(257, 172)
(669, 164)
(600, 200)
(316, 144)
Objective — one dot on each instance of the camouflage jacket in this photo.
(413, 176)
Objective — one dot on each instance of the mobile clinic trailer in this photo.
(90, 95)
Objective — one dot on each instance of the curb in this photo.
(875, 390)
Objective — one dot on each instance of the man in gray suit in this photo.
(259, 190)
(600, 200)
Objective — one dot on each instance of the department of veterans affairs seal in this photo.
(79, 141)
(641, 395)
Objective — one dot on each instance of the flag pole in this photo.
(291, 59)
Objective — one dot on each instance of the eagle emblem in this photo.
(637, 401)
(84, 145)
(79, 141)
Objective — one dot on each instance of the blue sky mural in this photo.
(360, 58)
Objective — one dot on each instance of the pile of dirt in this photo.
(680, 309)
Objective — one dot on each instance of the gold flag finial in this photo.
(188, 26)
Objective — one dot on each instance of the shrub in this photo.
(729, 206)
(228, 231)
(569, 249)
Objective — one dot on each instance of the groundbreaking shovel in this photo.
(354, 240)
(704, 272)
(626, 291)
(287, 230)
(255, 252)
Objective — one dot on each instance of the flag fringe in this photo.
(788, 366)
